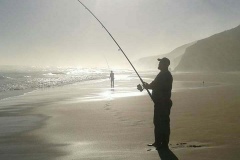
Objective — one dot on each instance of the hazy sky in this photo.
(63, 33)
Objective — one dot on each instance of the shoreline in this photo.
(15, 93)
(8, 94)
(146, 76)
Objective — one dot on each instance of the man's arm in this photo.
(147, 86)
(163, 84)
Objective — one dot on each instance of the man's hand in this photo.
(146, 85)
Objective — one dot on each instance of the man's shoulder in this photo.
(165, 75)
(169, 73)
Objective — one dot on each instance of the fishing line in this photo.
(118, 47)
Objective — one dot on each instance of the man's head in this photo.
(163, 63)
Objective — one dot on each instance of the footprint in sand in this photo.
(106, 106)
(118, 116)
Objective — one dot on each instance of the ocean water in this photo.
(16, 80)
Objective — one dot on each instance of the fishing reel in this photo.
(140, 87)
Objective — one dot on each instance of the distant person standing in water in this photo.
(112, 79)
(161, 93)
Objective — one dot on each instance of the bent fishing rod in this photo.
(106, 62)
(118, 47)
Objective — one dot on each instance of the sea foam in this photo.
(29, 78)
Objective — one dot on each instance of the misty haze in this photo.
(67, 91)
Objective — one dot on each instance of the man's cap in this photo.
(164, 60)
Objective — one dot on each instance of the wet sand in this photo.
(91, 121)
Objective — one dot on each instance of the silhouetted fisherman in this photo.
(112, 79)
(161, 92)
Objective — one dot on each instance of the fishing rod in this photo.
(139, 86)
(106, 62)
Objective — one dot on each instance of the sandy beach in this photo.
(90, 121)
